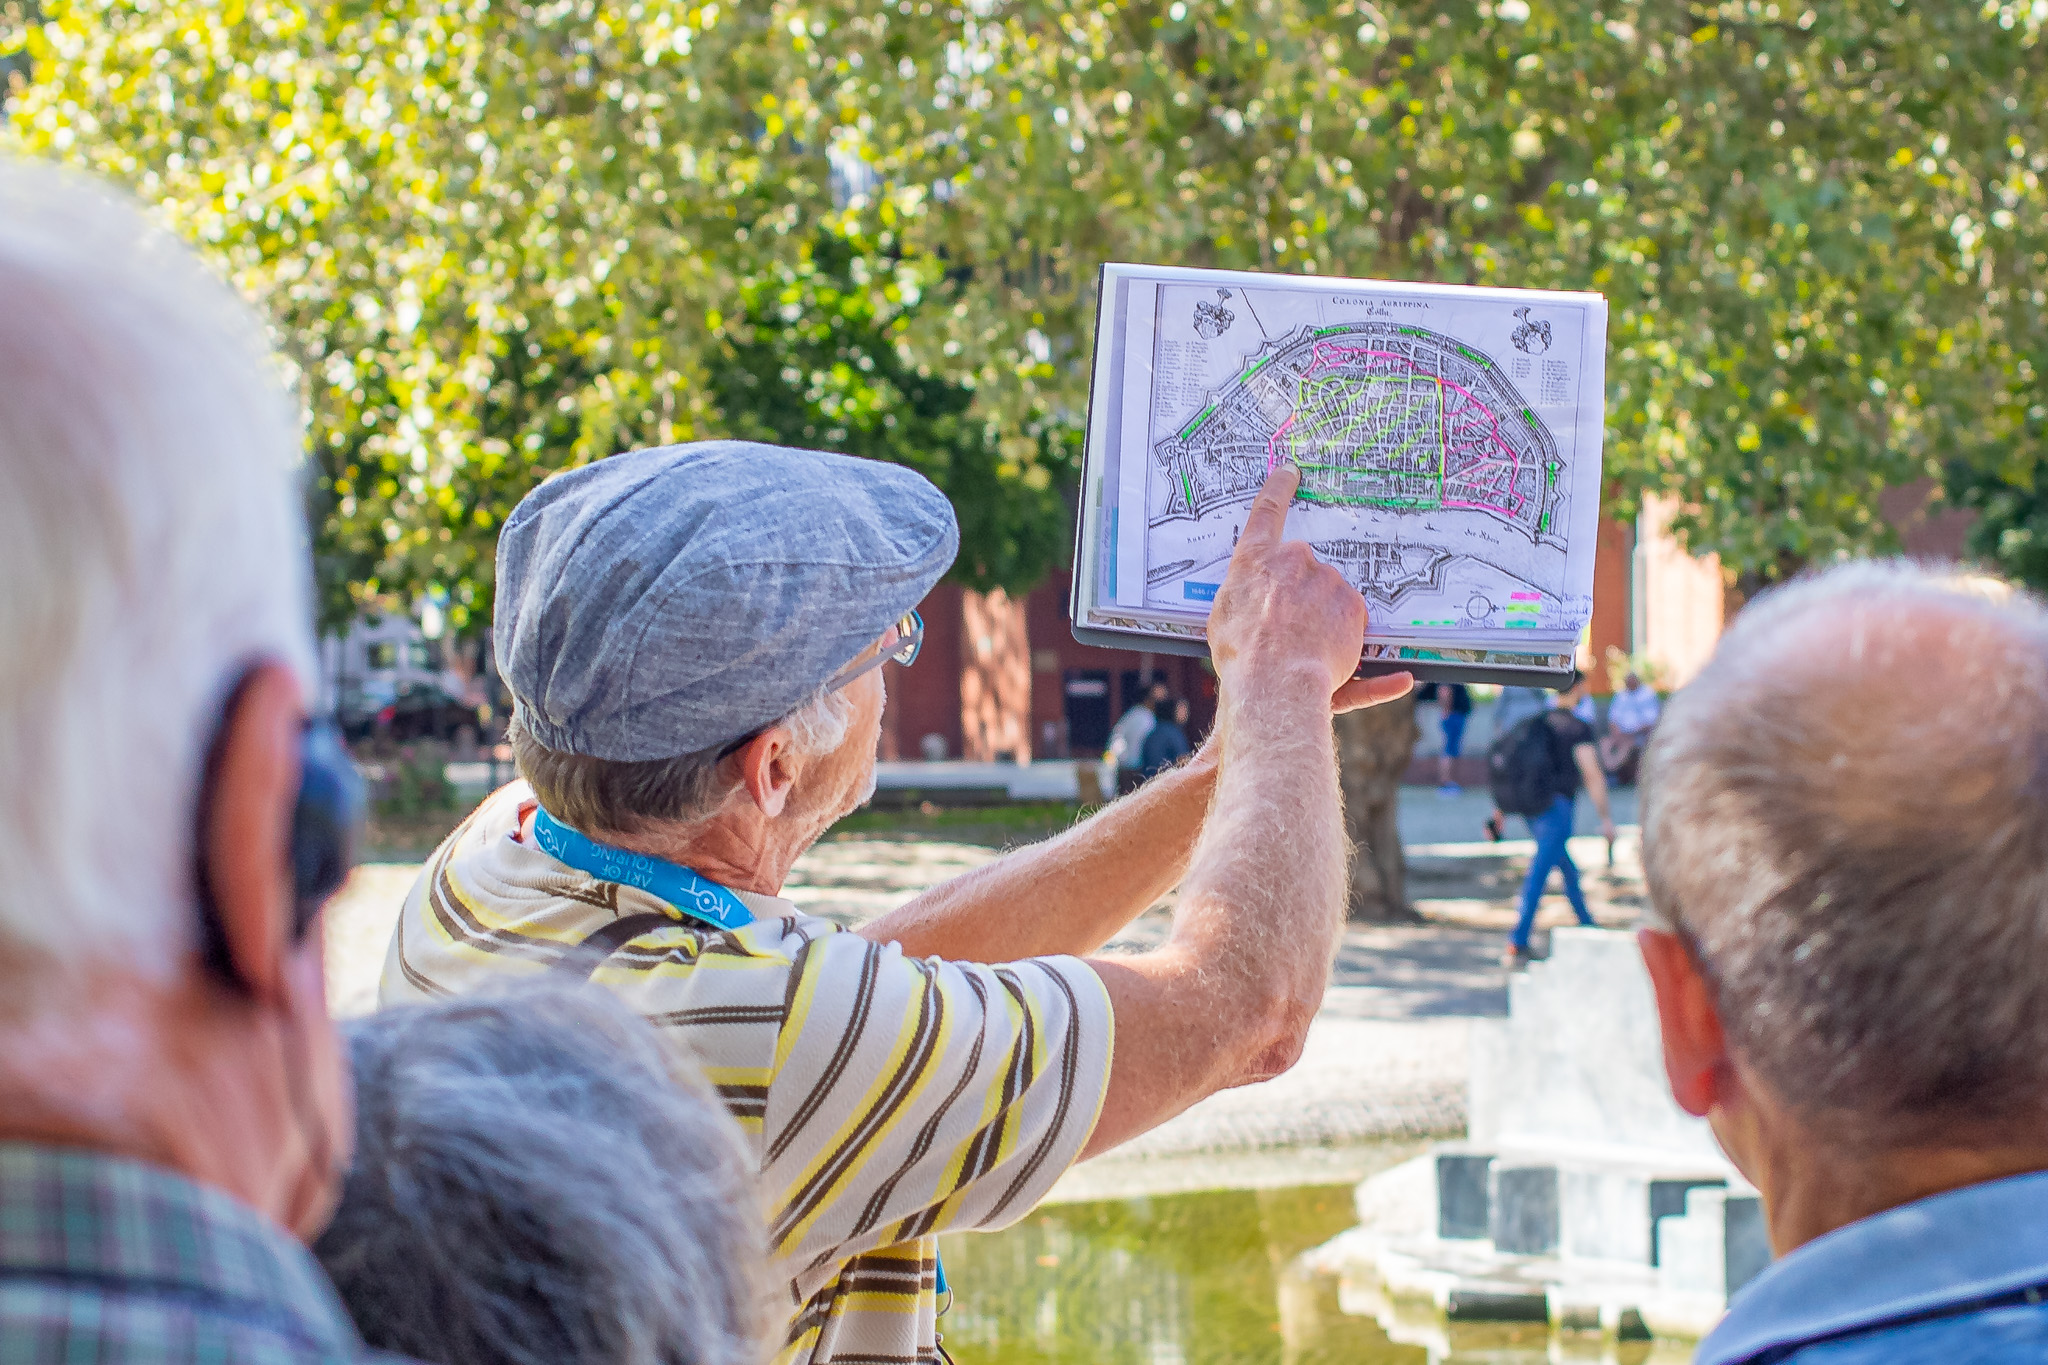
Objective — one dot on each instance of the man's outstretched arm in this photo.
(1070, 894)
(1228, 999)
(1074, 893)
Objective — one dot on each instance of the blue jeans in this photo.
(1551, 829)
(1453, 725)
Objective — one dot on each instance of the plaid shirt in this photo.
(107, 1260)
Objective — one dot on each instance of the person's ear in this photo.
(246, 829)
(1696, 1058)
(769, 768)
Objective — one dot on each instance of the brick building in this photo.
(1005, 679)
(1002, 678)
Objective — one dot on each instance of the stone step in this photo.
(1577, 1063)
(1533, 1205)
(1580, 1183)
(1716, 1246)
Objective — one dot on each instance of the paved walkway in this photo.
(1386, 1057)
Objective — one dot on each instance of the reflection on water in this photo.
(1201, 1279)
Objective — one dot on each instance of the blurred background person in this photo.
(1511, 708)
(1454, 709)
(1557, 757)
(539, 1180)
(1167, 742)
(1127, 738)
(1631, 715)
(1517, 704)
(173, 1108)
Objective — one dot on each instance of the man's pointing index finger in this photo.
(1269, 509)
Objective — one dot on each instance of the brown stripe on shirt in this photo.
(1070, 1066)
(842, 1054)
(882, 1114)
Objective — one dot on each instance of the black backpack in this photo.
(1518, 768)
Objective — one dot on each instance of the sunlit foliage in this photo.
(1822, 229)
(500, 239)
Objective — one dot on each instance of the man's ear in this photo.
(769, 769)
(1695, 1051)
(251, 793)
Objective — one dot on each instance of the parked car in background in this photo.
(412, 711)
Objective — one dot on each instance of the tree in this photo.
(1371, 744)
(494, 240)
(1821, 235)
(2011, 530)
(812, 361)
(495, 230)
(498, 239)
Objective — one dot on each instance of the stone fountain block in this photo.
(1576, 1064)
(1715, 1247)
(1525, 1209)
(1595, 1191)
(1464, 1197)
(1608, 1211)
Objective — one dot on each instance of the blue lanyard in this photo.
(666, 881)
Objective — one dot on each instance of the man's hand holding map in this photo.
(1448, 440)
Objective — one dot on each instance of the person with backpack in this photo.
(1167, 742)
(1536, 770)
(1127, 737)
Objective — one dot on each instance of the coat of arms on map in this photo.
(1212, 320)
(1531, 337)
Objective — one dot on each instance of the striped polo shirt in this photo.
(886, 1098)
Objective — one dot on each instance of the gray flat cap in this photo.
(664, 601)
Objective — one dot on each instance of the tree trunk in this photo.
(1373, 748)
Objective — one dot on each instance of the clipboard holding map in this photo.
(1448, 437)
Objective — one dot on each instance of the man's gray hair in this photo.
(1847, 815)
(152, 546)
(600, 795)
(539, 1181)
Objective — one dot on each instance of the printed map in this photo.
(1375, 415)
(1443, 437)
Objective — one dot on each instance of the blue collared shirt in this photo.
(1958, 1278)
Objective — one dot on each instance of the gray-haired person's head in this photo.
(1846, 814)
(538, 1181)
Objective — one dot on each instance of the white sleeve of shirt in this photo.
(1127, 739)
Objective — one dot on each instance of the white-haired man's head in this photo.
(151, 544)
(1846, 822)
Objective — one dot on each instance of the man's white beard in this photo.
(850, 803)
(854, 800)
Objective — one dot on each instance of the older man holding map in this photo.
(695, 639)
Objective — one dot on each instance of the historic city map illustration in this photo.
(1448, 441)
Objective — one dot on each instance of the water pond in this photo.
(1211, 1278)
